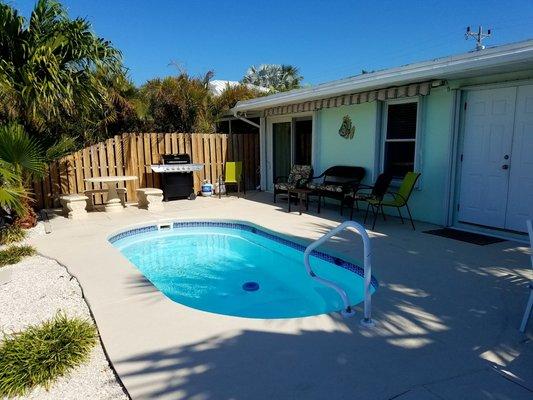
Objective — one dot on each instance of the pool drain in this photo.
(250, 286)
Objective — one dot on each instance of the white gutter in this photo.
(436, 69)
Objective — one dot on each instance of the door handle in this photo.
(505, 166)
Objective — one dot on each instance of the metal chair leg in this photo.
(366, 214)
(527, 312)
(410, 216)
(400, 213)
(376, 215)
(382, 213)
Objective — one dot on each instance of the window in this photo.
(400, 139)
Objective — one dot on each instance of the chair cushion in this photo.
(326, 188)
(299, 173)
(363, 197)
(284, 186)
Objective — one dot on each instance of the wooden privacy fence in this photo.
(133, 153)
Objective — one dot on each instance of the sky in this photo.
(326, 40)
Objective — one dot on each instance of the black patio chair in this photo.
(298, 177)
(366, 192)
(397, 199)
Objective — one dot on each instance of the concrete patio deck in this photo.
(446, 312)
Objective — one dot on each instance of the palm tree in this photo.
(12, 193)
(48, 67)
(230, 96)
(179, 103)
(20, 160)
(277, 78)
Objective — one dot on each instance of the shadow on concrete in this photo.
(444, 309)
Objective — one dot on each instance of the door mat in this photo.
(468, 237)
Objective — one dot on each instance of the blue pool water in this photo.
(238, 270)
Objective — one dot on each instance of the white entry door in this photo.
(488, 138)
(520, 201)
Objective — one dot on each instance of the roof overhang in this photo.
(501, 59)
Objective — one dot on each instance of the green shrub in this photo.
(13, 254)
(41, 354)
(11, 234)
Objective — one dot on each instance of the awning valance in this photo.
(397, 92)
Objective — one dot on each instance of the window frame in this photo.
(417, 139)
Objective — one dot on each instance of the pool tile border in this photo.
(249, 228)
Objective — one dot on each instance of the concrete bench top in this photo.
(150, 190)
(73, 197)
(110, 179)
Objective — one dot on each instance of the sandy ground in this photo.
(37, 290)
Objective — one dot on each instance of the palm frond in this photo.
(20, 151)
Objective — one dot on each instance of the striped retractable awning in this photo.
(397, 92)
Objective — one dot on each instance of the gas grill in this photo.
(177, 179)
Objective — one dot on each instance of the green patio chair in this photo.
(233, 175)
(399, 199)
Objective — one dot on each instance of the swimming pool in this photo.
(237, 269)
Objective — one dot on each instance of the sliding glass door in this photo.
(290, 141)
(281, 143)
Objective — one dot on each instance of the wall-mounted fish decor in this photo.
(347, 129)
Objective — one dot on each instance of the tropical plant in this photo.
(12, 193)
(277, 78)
(231, 95)
(20, 160)
(48, 69)
(14, 254)
(23, 153)
(42, 353)
(179, 103)
(11, 234)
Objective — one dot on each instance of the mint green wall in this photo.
(428, 203)
(333, 149)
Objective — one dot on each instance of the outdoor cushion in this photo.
(328, 188)
(284, 186)
(299, 173)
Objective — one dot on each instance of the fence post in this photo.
(130, 163)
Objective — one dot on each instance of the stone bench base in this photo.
(74, 205)
(90, 202)
(150, 198)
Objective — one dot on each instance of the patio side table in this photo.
(302, 194)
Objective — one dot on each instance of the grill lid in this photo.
(176, 159)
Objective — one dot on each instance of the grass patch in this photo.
(11, 234)
(41, 354)
(13, 254)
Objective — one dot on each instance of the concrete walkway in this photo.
(447, 314)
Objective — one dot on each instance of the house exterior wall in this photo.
(336, 150)
(429, 200)
(438, 130)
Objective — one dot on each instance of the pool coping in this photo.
(247, 226)
(147, 335)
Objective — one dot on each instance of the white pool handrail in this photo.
(348, 311)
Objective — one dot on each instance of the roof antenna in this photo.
(479, 36)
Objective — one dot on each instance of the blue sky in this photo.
(327, 40)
